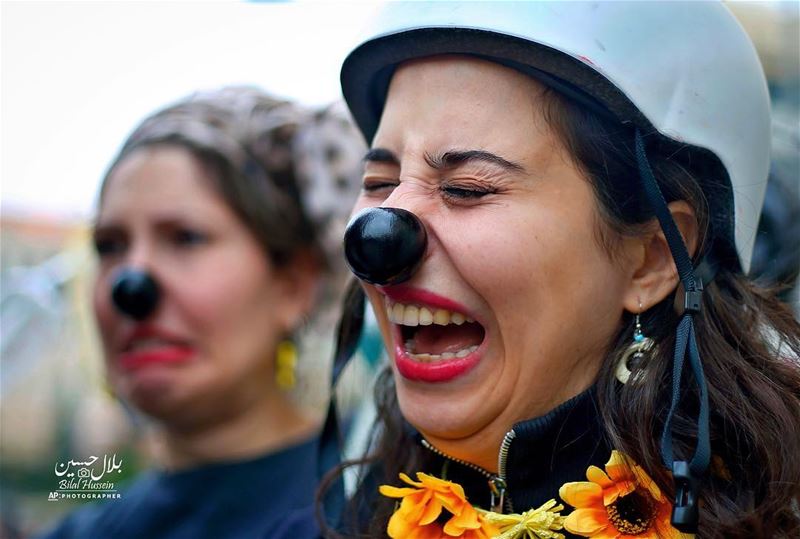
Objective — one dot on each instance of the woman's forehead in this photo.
(472, 75)
(160, 179)
(456, 102)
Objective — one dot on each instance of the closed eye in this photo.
(376, 186)
(381, 167)
(461, 193)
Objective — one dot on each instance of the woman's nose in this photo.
(385, 246)
(135, 293)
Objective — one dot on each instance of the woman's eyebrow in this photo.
(453, 158)
(381, 155)
(446, 160)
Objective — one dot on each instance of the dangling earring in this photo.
(635, 351)
(285, 363)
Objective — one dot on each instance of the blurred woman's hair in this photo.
(288, 172)
(749, 344)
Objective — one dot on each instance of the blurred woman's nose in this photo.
(385, 246)
(135, 293)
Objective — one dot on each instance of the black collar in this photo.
(545, 453)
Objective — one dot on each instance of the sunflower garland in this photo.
(621, 502)
(541, 523)
(422, 507)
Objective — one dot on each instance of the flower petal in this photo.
(664, 530)
(587, 522)
(481, 533)
(410, 481)
(467, 520)
(609, 533)
(450, 502)
(596, 475)
(643, 479)
(611, 490)
(622, 488)
(582, 494)
(413, 506)
(649, 534)
(618, 468)
(487, 529)
(434, 483)
(458, 491)
(433, 531)
(432, 511)
(399, 527)
(396, 492)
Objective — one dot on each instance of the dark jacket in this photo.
(268, 497)
(543, 454)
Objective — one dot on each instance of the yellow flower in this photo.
(620, 503)
(541, 523)
(420, 509)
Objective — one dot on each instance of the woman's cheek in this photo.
(104, 314)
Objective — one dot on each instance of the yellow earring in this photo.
(285, 363)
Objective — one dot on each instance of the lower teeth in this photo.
(426, 358)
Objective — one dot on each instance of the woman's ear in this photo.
(300, 283)
(655, 275)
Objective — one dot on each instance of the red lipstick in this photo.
(434, 371)
(167, 350)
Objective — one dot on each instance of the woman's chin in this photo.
(155, 391)
(445, 414)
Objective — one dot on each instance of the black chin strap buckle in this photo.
(692, 299)
(687, 486)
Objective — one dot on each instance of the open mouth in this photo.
(432, 335)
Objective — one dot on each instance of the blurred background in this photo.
(77, 76)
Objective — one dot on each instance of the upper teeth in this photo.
(413, 315)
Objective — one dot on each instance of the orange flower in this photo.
(620, 503)
(420, 509)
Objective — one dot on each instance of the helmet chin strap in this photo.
(687, 475)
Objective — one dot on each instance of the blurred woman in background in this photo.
(215, 231)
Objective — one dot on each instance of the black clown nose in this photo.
(135, 293)
(384, 246)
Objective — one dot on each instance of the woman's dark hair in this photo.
(749, 344)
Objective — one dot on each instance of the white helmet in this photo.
(685, 70)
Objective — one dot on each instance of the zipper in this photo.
(497, 482)
(500, 486)
(487, 474)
